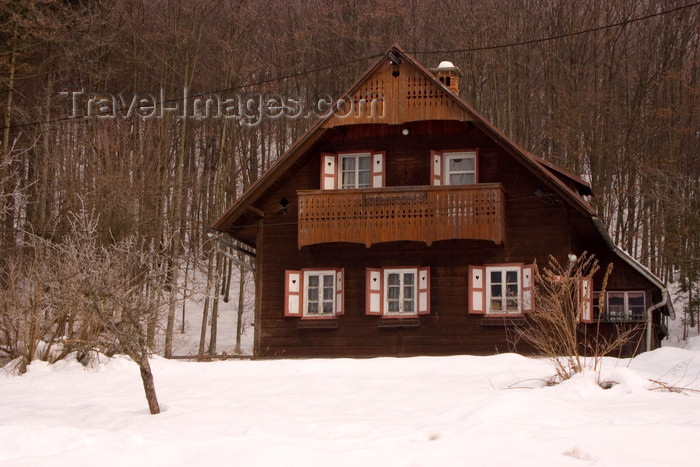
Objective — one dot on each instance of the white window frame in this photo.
(305, 301)
(504, 269)
(402, 272)
(321, 274)
(356, 156)
(627, 314)
(448, 156)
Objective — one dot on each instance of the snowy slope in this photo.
(378, 412)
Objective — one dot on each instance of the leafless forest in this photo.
(100, 172)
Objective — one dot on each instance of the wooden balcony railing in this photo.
(424, 214)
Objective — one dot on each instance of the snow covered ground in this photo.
(424, 411)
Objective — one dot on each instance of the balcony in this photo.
(423, 213)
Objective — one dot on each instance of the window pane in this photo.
(616, 305)
(313, 308)
(328, 280)
(393, 293)
(511, 305)
(393, 306)
(596, 305)
(327, 308)
(636, 305)
(408, 306)
(364, 178)
(328, 293)
(349, 179)
(459, 179)
(495, 277)
(408, 279)
(495, 305)
(512, 290)
(462, 165)
(348, 163)
(313, 281)
(408, 292)
(364, 163)
(313, 293)
(512, 277)
(496, 290)
(394, 279)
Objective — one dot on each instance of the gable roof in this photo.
(457, 108)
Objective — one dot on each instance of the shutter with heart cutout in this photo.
(329, 171)
(477, 291)
(292, 293)
(374, 301)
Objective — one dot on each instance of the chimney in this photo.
(449, 75)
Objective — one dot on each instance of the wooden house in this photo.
(407, 224)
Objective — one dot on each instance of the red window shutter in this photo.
(329, 171)
(375, 297)
(424, 291)
(528, 299)
(378, 169)
(435, 168)
(292, 293)
(477, 290)
(339, 291)
(585, 300)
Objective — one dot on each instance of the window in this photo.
(453, 168)
(620, 306)
(355, 170)
(400, 286)
(460, 168)
(314, 293)
(352, 170)
(501, 289)
(398, 292)
(319, 293)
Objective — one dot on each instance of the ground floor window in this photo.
(314, 293)
(501, 289)
(619, 306)
(400, 287)
(398, 292)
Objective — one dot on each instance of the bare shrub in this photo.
(554, 328)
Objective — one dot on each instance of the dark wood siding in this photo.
(538, 224)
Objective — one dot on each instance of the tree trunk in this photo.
(177, 218)
(207, 300)
(241, 296)
(149, 386)
(215, 307)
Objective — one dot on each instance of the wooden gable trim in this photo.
(230, 216)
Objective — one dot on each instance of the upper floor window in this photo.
(460, 168)
(355, 170)
(453, 168)
(352, 170)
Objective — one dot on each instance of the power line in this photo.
(560, 36)
(368, 57)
